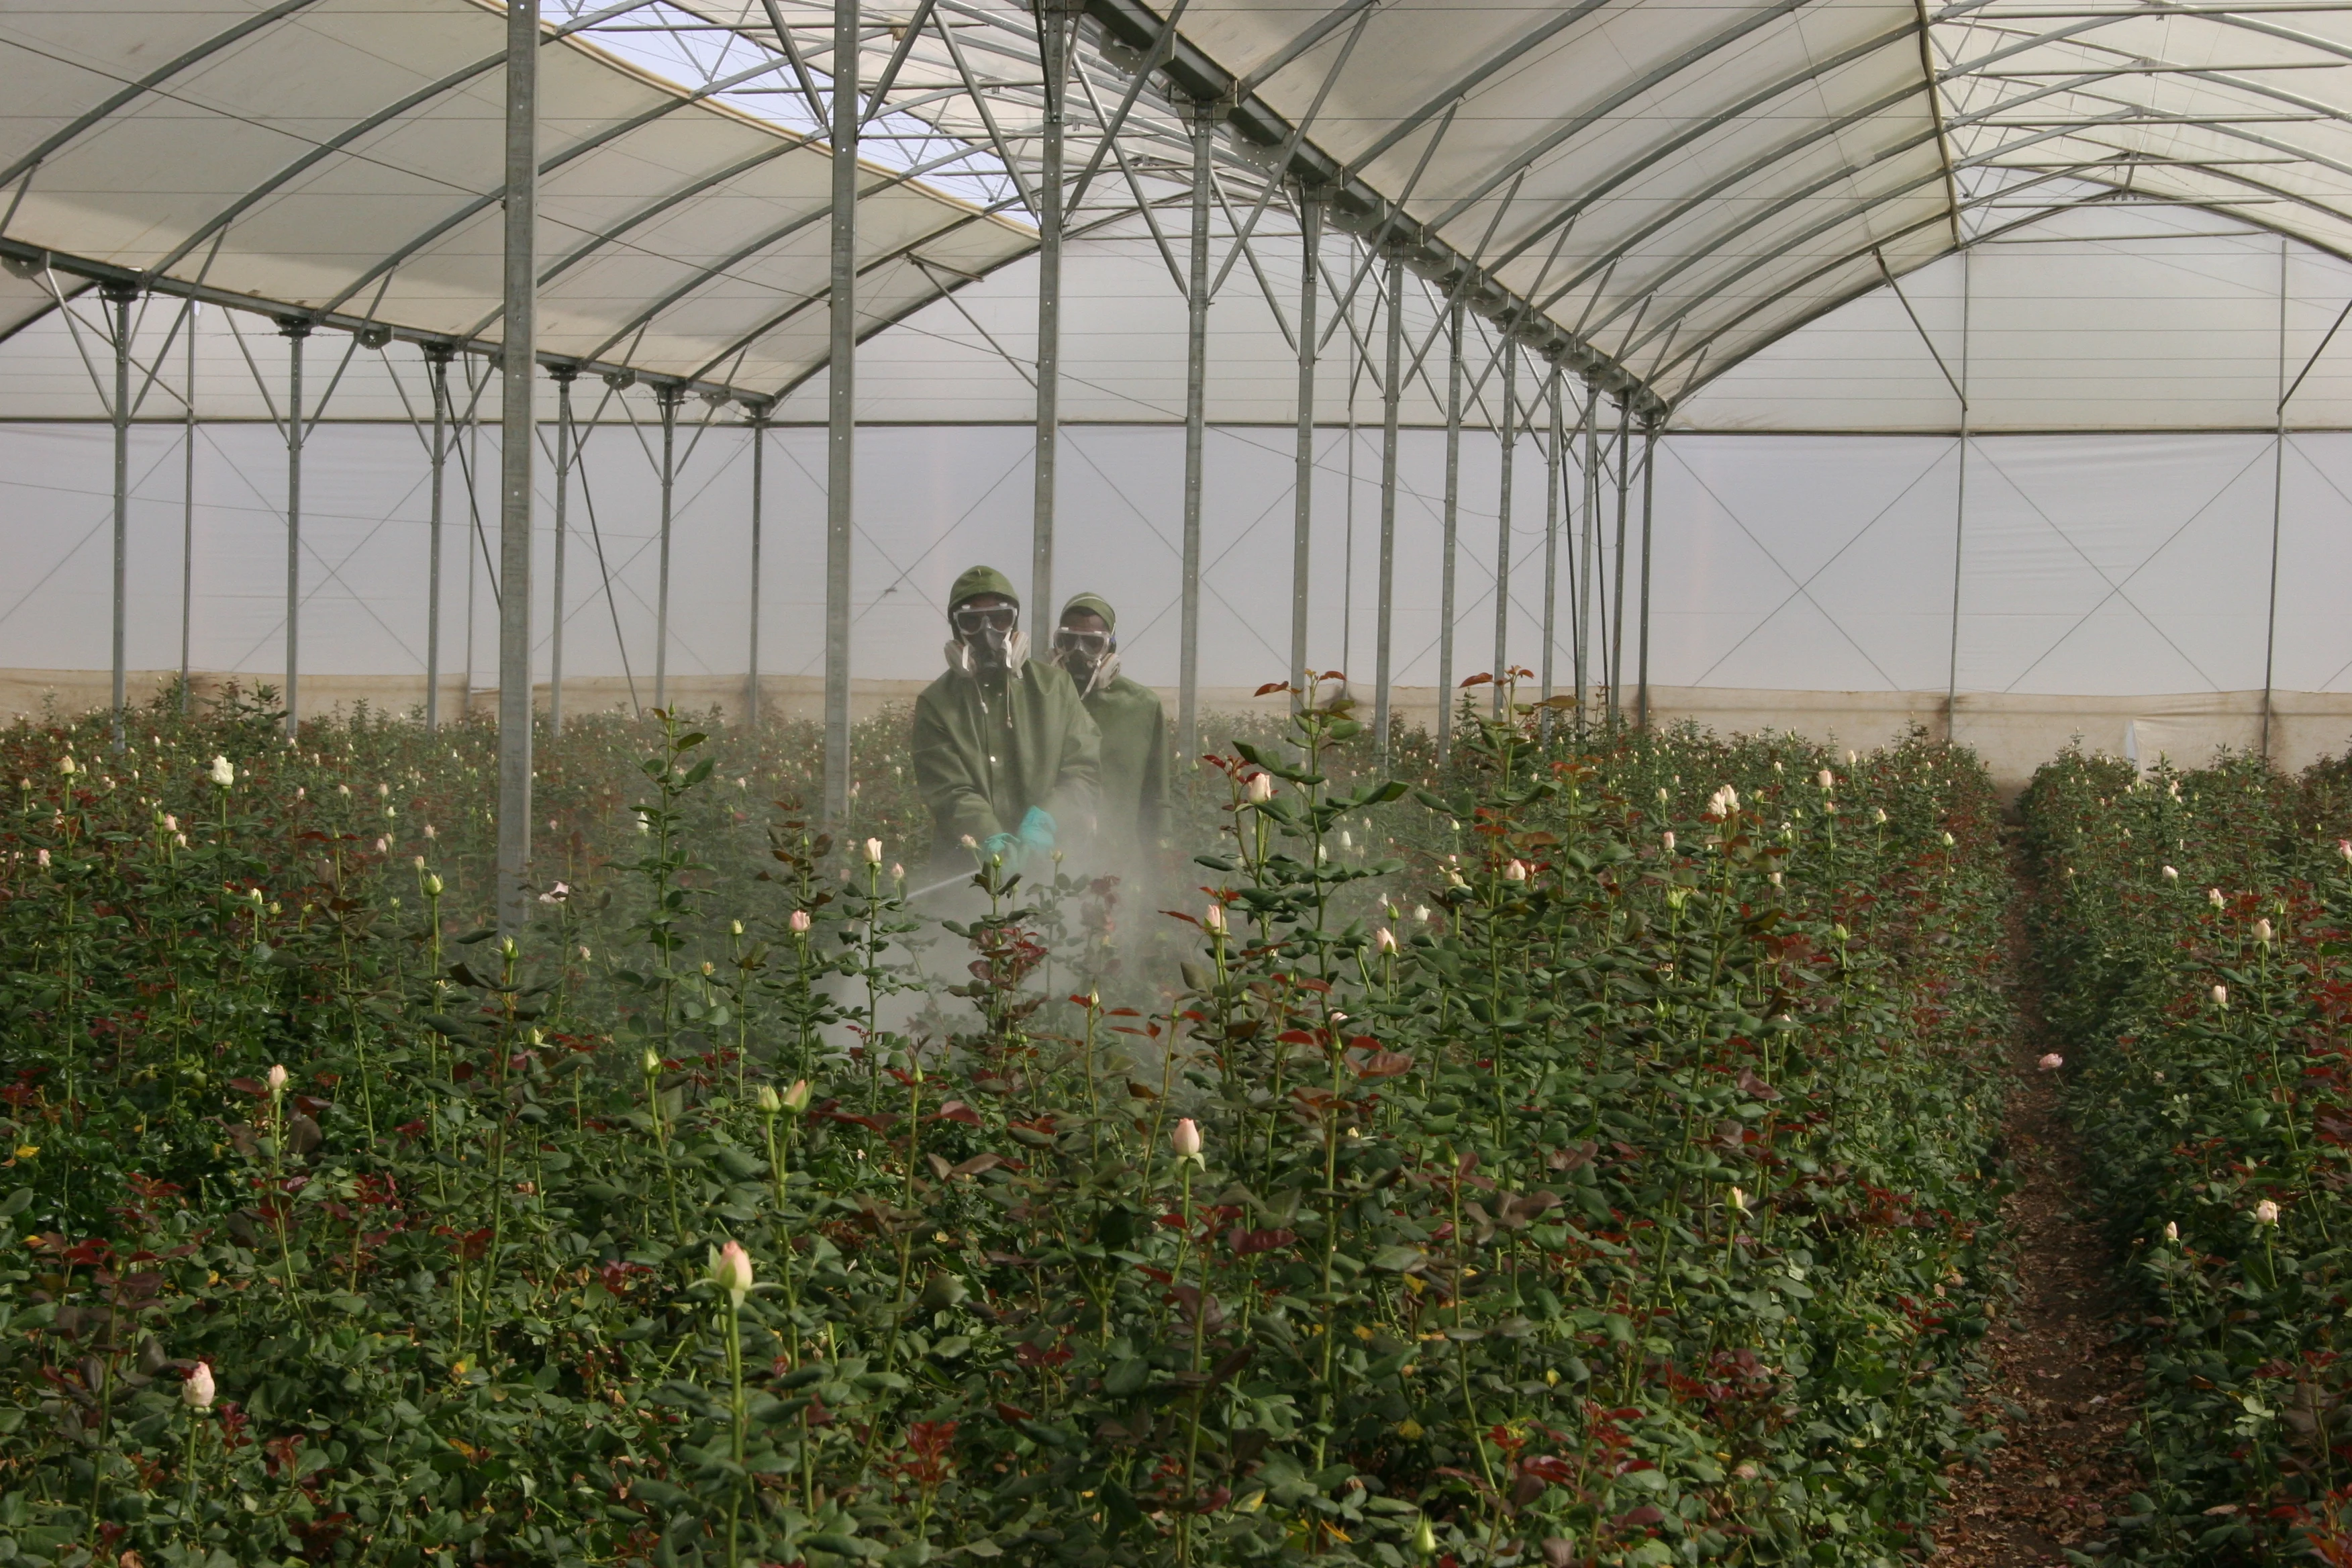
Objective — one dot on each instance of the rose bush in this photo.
(1582, 1155)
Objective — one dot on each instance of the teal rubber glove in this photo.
(1001, 848)
(1037, 830)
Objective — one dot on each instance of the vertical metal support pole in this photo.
(840, 410)
(2278, 508)
(1959, 520)
(1649, 487)
(1617, 597)
(437, 376)
(1585, 553)
(188, 513)
(1196, 392)
(1454, 313)
(1053, 56)
(563, 374)
(1302, 488)
(1551, 539)
(518, 450)
(119, 296)
(751, 701)
(295, 330)
(472, 472)
(1391, 391)
(1509, 435)
(666, 398)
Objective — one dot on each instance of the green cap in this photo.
(1094, 602)
(981, 580)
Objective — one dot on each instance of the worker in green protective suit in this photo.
(1005, 753)
(1134, 726)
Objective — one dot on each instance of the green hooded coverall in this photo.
(1134, 746)
(990, 743)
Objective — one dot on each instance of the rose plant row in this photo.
(1604, 1176)
(2191, 932)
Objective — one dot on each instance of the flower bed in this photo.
(1599, 1180)
(2191, 930)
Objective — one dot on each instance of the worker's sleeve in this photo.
(1152, 815)
(948, 772)
(1076, 798)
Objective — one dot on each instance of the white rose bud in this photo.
(1260, 788)
(2262, 931)
(2266, 1212)
(2221, 995)
(874, 852)
(223, 772)
(2171, 874)
(196, 1389)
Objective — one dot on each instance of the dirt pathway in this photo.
(2062, 1389)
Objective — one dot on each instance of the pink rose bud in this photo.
(799, 922)
(1214, 921)
(2262, 930)
(1261, 788)
(730, 1270)
(1385, 940)
(1516, 872)
(2052, 1062)
(196, 1389)
(1666, 841)
(796, 1098)
(276, 1077)
(43, 856)
(1186, 1139)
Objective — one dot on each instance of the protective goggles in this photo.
(971, 621)
(1090, 644)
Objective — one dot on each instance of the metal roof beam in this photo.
(1697, 131)
(1778, 155)
(1699, 52)
(1354, 203)
(1475, 77)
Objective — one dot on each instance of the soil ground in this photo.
(2063, 1387)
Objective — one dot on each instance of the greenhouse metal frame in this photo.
(1529, 250)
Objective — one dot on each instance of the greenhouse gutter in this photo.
(1365, 211)
(27, 260)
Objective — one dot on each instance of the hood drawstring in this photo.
(1106, 671)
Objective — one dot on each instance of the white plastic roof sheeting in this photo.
(343, 157)
(1678, 186)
